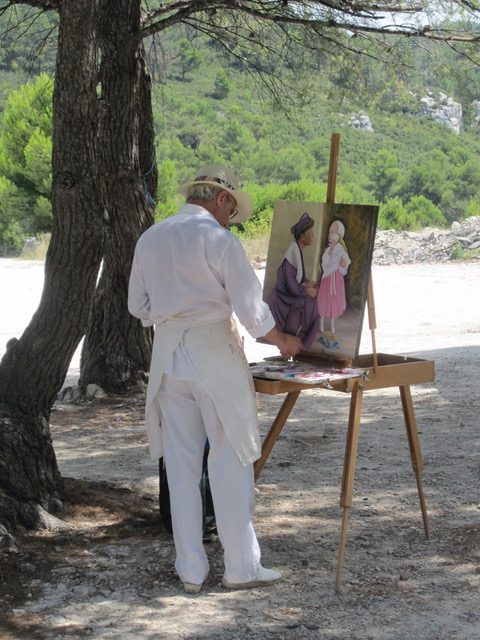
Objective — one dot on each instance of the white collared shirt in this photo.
(188, 275)
(188, 266)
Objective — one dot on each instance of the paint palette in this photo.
(302, 372)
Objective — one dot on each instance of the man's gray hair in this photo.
(203, 192)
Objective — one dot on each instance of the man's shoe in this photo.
(265, 578)
(190, 587)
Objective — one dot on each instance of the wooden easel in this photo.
(382, 371)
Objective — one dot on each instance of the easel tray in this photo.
(378, 372)
(386, 370)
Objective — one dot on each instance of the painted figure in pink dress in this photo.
(331, 298)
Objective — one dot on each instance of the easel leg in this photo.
(351, 451)
(415, 453)
(275, 430)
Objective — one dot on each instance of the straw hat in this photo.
(217, 174)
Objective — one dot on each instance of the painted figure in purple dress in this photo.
(331, 296)
(293, 300)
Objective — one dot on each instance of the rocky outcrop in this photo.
(361, 122)
(428, 245)
(443, 110)
(476, 110)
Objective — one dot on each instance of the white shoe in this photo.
(190, 587)
(265, 578)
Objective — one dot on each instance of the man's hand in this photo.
(287, 344)
(291, 346)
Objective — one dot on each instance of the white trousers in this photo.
(188, 418)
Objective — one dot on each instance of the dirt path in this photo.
(112, 577)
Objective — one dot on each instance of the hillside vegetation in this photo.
(421, 168)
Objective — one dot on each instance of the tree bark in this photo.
(34, 367)
(104, 170)
(116, 350)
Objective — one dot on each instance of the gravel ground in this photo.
(110, 575)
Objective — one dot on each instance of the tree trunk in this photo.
(103, 144)
(116, 351)
(34, 367)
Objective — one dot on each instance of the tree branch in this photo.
(44, 5)
(310, 15)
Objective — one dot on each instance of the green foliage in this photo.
(42, 211)
(473, 208)
(9, 82)
(422, 212)
(222, 85)
(426, 177)
(167, 198)
(190, 58)
(384, 173)
(207, 111)
(405, 157)
(28, 110)
(265, 196)
(25, 161)
(458, 253)
(35, 50)
(37, 155)
(12, 236)
(417, 213)
(392, 214)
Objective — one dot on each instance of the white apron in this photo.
(221, 369)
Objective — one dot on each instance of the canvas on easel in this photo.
(318, 271)
(302, 270)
